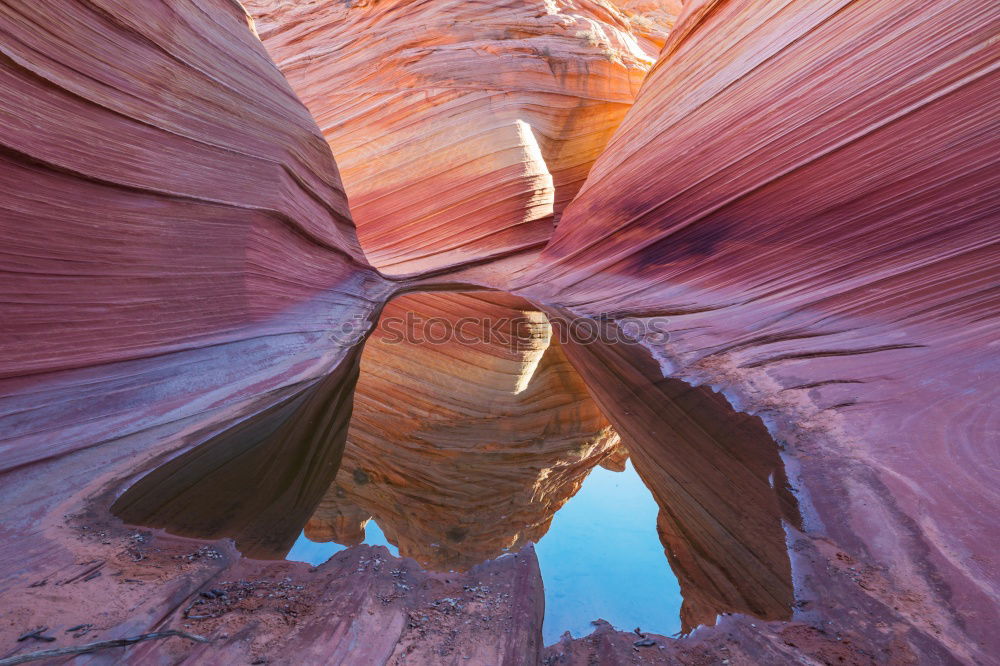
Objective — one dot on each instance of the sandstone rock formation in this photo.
(463, 448)
(461, 128)
(806, 190)
(289, 455)
(716, 476)
(338, 519)
(177, 246)
(651, 20)
(150, 227)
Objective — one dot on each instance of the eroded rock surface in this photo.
(177, 247)
(152, 227)
(461, 128)
(806, 190)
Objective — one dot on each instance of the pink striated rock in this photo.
(805, 191)
(170, 203)
(177, 247)
(461, 128)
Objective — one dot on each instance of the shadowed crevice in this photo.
(257, 482)
(716, 474)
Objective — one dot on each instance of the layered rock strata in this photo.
(177, 248)
(461, 129)
(152, 227)
(806, 190)
(716, 475)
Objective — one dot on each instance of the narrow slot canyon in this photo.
(523, 332)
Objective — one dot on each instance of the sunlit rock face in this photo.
(651, 20)
(463, 448)
(808, 192)
(461, 128)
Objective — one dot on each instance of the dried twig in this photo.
(36, 634)
(100, 645)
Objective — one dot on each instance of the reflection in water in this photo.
(258, 482)
(602, 559)
(727, 546)
(717, 476)
(318, 552)
(463, 451)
